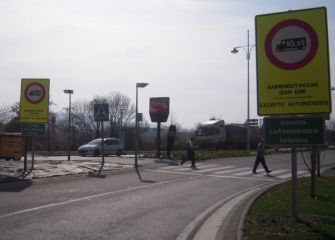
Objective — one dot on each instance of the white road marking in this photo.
(187, 167)
(84, 198)
(213, 169)
(243, 173)
(232, 170)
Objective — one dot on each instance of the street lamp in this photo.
(247, 48)
(138, 85)
(120, 123)
(69, 91)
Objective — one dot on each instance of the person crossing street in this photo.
(190, 153)
(260, 158)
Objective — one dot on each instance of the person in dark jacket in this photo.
(170, 140)
(190, 152)
(260, 158)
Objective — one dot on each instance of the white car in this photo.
(112, 146)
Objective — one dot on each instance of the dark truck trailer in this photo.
(11, 146)
(236, 136)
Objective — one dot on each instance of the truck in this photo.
(211, 133)
(12, 146)
(216, 134)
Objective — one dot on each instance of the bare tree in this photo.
(11, 118)
(121, 112)
(5, 115)
(83, 118)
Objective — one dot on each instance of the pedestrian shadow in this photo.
(14, 184)
(95, 174)
(140, 177)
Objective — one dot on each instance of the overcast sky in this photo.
(180, 47)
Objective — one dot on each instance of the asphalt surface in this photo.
(222, 221)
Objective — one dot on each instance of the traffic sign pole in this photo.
(294, 183)
(102, 148)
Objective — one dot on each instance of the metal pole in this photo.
(294, 183)
(318, 166)
(32, 153)
(102, 148)
(158, 150)
(69, 133)
(313, 168)
(136, 129)
(26, 142)
(248, 95)
(121, 136)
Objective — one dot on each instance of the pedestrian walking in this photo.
(190, 152)
(260, 158)
(170, 140)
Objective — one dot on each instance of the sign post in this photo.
(101, 114)
(34, 100)
(294, 193)
(293, 79)
(294, 131)
(293, 63)
(34, 109)
(159, 112)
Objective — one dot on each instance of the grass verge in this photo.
(270, 217)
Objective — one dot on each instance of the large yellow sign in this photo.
(34, 100)
(293, 63)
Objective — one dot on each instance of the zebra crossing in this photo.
(216, 170)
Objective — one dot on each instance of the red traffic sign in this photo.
(34, 93)
(159, 109)
(291, 44)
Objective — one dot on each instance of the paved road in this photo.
(164, 205)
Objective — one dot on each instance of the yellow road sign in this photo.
(293, 63)
(34, 100)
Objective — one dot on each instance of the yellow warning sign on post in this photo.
(293, 63)
(34, 100)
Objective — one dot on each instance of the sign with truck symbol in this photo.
(34, 100)
(291, 44)
(293, 63)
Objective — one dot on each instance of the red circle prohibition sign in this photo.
(300, 62)
(34, 93)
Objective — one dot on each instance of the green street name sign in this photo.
(294, 131)
(33, 129)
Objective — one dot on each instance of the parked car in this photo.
(112, 146)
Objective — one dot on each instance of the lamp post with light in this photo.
(69, 91)
(247, 48)
(138, 85)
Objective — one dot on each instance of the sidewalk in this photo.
(47, 167)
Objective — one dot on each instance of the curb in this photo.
(192, 228)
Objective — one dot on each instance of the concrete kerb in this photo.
(246, 207)
(192, 229)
